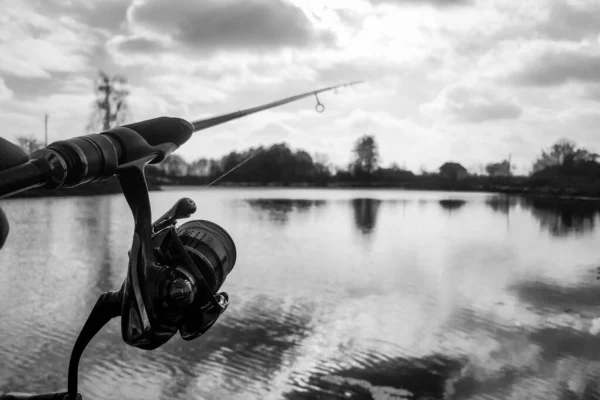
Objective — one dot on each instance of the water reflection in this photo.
(502, 204)
(365, 214)
(94, 216)
(566, 335)
(278, 209)
(244, 351)
(480, 317)
(467, 385)
(560, 342)
(553, 297)
(563, 217)
(107, 262)
(56, 276)
(559, 217)
(271, 329)
(26, 224)
(510, 360)
(558, 338)
(452, 204)
(388, 378)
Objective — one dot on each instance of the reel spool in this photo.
(211, 249)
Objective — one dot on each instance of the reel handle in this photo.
(184, 208)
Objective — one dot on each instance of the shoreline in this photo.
(517, 186)
(458, 187)
(81, 192)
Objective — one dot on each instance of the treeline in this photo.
(567, 169)
(279, 165)
(563, 169)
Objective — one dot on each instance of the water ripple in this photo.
(346, 294)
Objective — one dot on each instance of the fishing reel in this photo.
(174, 273)
(173, 277)
(191, 263)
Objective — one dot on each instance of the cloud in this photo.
(108, 15)
(141, 44)
(593, 93)
(497, 23)
(358, 69)
(5, 92)
(437, 3)
(32, 88)
(470, 103)
(556, 65)
(35, 45)
(229, 25)
(360, 120)
(586, 119)
(271, 133)
(572, 20)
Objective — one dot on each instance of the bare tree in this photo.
(110, 107)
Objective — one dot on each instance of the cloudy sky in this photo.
(470, 81)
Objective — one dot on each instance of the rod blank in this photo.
(200, 124)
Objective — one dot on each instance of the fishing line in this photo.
(201, 124)
(236, 167)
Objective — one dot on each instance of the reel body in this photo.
(194, 261)
(174, 275)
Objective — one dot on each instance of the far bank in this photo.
(573, 187)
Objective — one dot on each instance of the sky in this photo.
(469, 81)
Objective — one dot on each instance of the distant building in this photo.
(453, 171)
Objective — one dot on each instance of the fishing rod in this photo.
(99, 156)
(174, 272)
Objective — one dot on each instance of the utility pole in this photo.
(46, 130)
(509, 165)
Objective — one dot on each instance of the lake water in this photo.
(336, 294)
